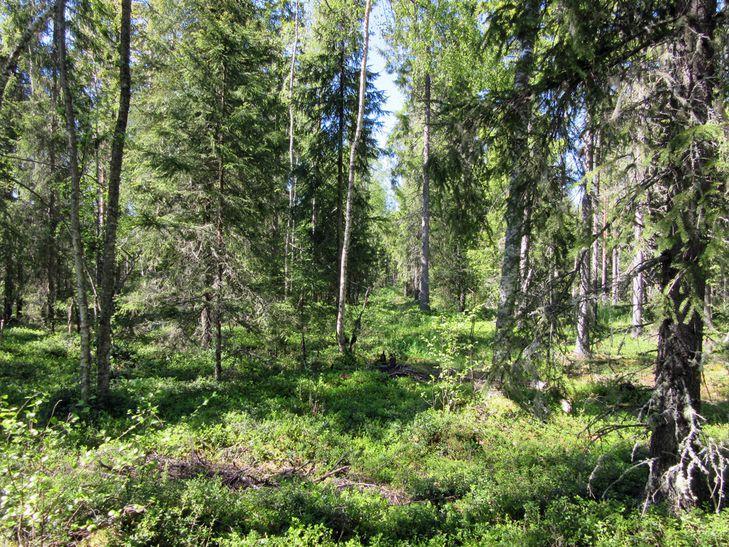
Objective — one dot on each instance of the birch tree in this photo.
(75, 220)
(111, 220)
(341, 302)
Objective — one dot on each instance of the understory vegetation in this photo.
(378, 272)
(419, 452)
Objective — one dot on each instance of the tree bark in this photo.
(99, 219)
(524, 266)
(340, 160)
(709, 307)
(595, 253)
(111, 217)
(585, 267)
(219, 243)
(520, 183)
(604, 286)
(206, 335)
(674, 409)
(53, 219)
(616, 275)
(341, 337)
(424, 296)
(51, 259)
(8, 281)
(638, 284)
(289, 243)
(75, 228)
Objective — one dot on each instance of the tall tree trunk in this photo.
(525, 269)
(520, 183)
(289, 243)
(638, 284)
(709, 307)
(595, 254)
(111, 217)
(51, 259)
(19, 301)
(101, 186)
(218, 283)
(8, 281)
(206, 335)
(341, 338)
(340, 160)
(604, 286)
(585, 269)
(424, 296)
(75, 228)
(53, 220)
(616, 275)
(675, 406)
(219, 244)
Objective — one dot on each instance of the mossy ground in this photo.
(333, 451)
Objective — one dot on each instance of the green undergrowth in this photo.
(281, 453)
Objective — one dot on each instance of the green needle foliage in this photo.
(537, 276)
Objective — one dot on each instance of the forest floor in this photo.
(284, 454)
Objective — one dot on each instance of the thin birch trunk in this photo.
(525, 270)
(595, 254)
(111, 212)
(616, 275)
(638, 284)
(289, 243)
(75, 228)
(340, 160)
(585, 269)
(424, 295)
(53, 219)
(219, 244)
(604, 286)
(341, 338)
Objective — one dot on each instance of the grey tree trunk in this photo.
(616, 275)
(340, 160)
(675, 473)
(53, 218)
(111, 216)
(638, 293)
(289, 243)
(585, 268)
(709, 307)
(51, 258)
(525, 267)
(341, 338)
(604, 286)
(8, 280)
(75, 224)
(595, 254)
(217, 314)
(99, 225)
(219, 243)
(519, 186)
(424, 295)
(206, 335)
